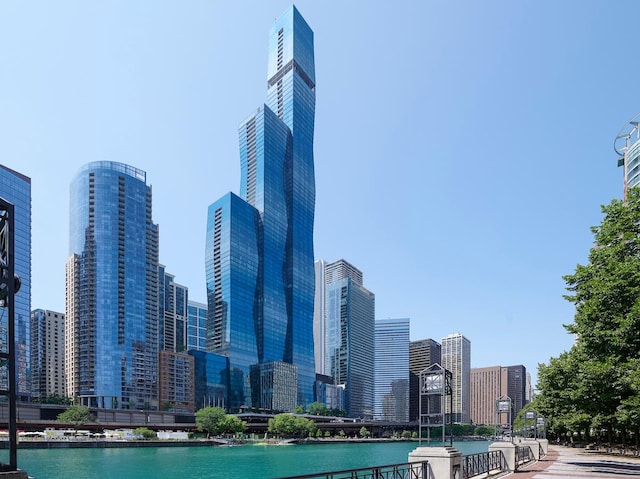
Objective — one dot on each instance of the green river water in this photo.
(218, 462)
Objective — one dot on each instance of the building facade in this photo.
(487, 386)
(456, 358)
(172, 306)
(492, 383)
(16, 189)
(111, 333)
(327, 273)
(391, 397)
(47, 354)
(176, 381)
(350, 344)
(196, 326)
(627, 145)
(259, 253)
(422, 354)
(319, 320)
(517, 386)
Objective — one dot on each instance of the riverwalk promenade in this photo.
(565, 462)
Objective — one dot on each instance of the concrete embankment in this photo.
(107, 444)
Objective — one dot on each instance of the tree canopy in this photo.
(213, 420)
(76, 415)
(287, 425)
(595, 387)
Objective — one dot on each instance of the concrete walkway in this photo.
(562, 462)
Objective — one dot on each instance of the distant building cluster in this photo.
(279, 329)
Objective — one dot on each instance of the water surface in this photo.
(216, 462)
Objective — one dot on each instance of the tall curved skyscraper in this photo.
(111, 333)
(259, 254)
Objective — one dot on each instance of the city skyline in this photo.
(463, 184)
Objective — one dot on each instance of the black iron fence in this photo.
(483, 463)
(409, 470)
(523, 455)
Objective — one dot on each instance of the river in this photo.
(218, 462)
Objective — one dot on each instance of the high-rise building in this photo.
(517, 386)
(391, 397)
(422, 354)
(319, 320)
(529, 391)
(627, 145)
(487, 386)
(175, 366)
(16, 189)
(111, 332)
(327, 273)
(350, 344)
(456, 358)
(176, 379)
(259, 253)
(172, 304)
(492, 383)
(47, 354)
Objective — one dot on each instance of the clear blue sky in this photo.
(462, 149)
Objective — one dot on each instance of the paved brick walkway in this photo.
(563, 462)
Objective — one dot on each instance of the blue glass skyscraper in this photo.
(391, 397)
(16, 188)
(111, 334)
(265, 315)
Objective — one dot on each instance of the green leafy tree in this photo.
(208, 418)
(145, 433)
(76, 415)
(317, 409)
(484, 431)
(57, 399)
(364, 432)
(230, 424)
(298, 409)
(406, 434)
(594, 386)
(287, 425)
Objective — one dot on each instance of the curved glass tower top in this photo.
(627, 146)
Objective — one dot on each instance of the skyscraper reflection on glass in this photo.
(259, 255)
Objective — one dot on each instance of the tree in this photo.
(144, 433)
(364, 432)
(76, 415)
(287, 425)
(57, 399)
(595, 384)
(484, 431)
(208, 418)
(230, 424)
(317, 409)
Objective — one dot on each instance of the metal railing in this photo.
(483, 463)
(523, 455)
(408, 470)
